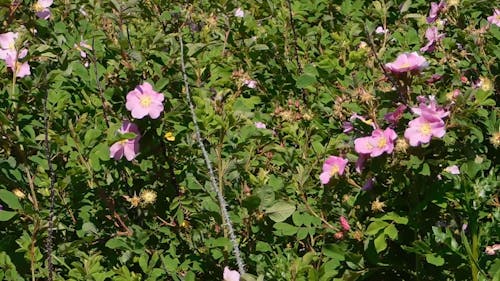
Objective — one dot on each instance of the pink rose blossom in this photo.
(333, 165)
(431, 111)
(454, 170)
(435, 10)
(42, 10)
(127, 147)
(231, 275)
(376, 144)
(421, 130)
(433, 36)
(239, 13)
(381, 30)
(407, 62)
(21, 69)
(344, 223)
(495, 18)
(260, 125)
(252, 84)
(143, 100)
(7, 44)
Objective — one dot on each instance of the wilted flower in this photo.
(18, 193)
(495, 18)
(231, 275)
(344, 223)
(381, 30)
(169, 136)
(375, 145)
(143, 100)
(393, 117)
(1, 207)
(368, 184)
(454, 170)
(339, 235)
(239, 13)
(134, 200)
(433, 36)
(434, 78)
(333, 165)
(360, 163)
(378, 206)
(127, 147)
(148, 196)
(491, 250)
(42, 10)
(407, 62)
(435, 10)
(260, 125)
(348, 127)
(495, 139)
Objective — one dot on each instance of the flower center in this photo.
(37, 7)
(381, 143)
(334, 170)
(425, 129)
(145, 101)
(405, 65)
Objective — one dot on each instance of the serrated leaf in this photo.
(280, 211)
(305, 80)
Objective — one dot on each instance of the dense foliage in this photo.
(351, 140)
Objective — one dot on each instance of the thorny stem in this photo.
(213, 181)
(51, 187)
(295, 45)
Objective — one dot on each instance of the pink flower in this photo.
(127, 147)
(81, 45)
(376, 144)
(252, 84)
(260, 125)
(7, 44)
(435, 10)
(239, 13)
(143, 100)
(20, 69)
(407, 62)
(430, 111)
(333, 165)
(433, 36)
(231, 275)
(421, 130)
(491, 250)
(454, 170)
(42, 10)
(344, 223)
(495, 18)
(381, 30)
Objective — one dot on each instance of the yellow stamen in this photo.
(381, 143)
(145, 101)
(334, 170)
(425, 129)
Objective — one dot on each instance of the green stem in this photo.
(475, 256)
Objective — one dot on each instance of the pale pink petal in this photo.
(23, 70)
(231, 275)
(130, 150)
(324, 177)
(116, 151)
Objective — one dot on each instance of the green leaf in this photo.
(10, 199)
(375, 227)
(391, 232)
(280, 211)
(380, 243)
(6, 215)
(305, 80)
(434, 259)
